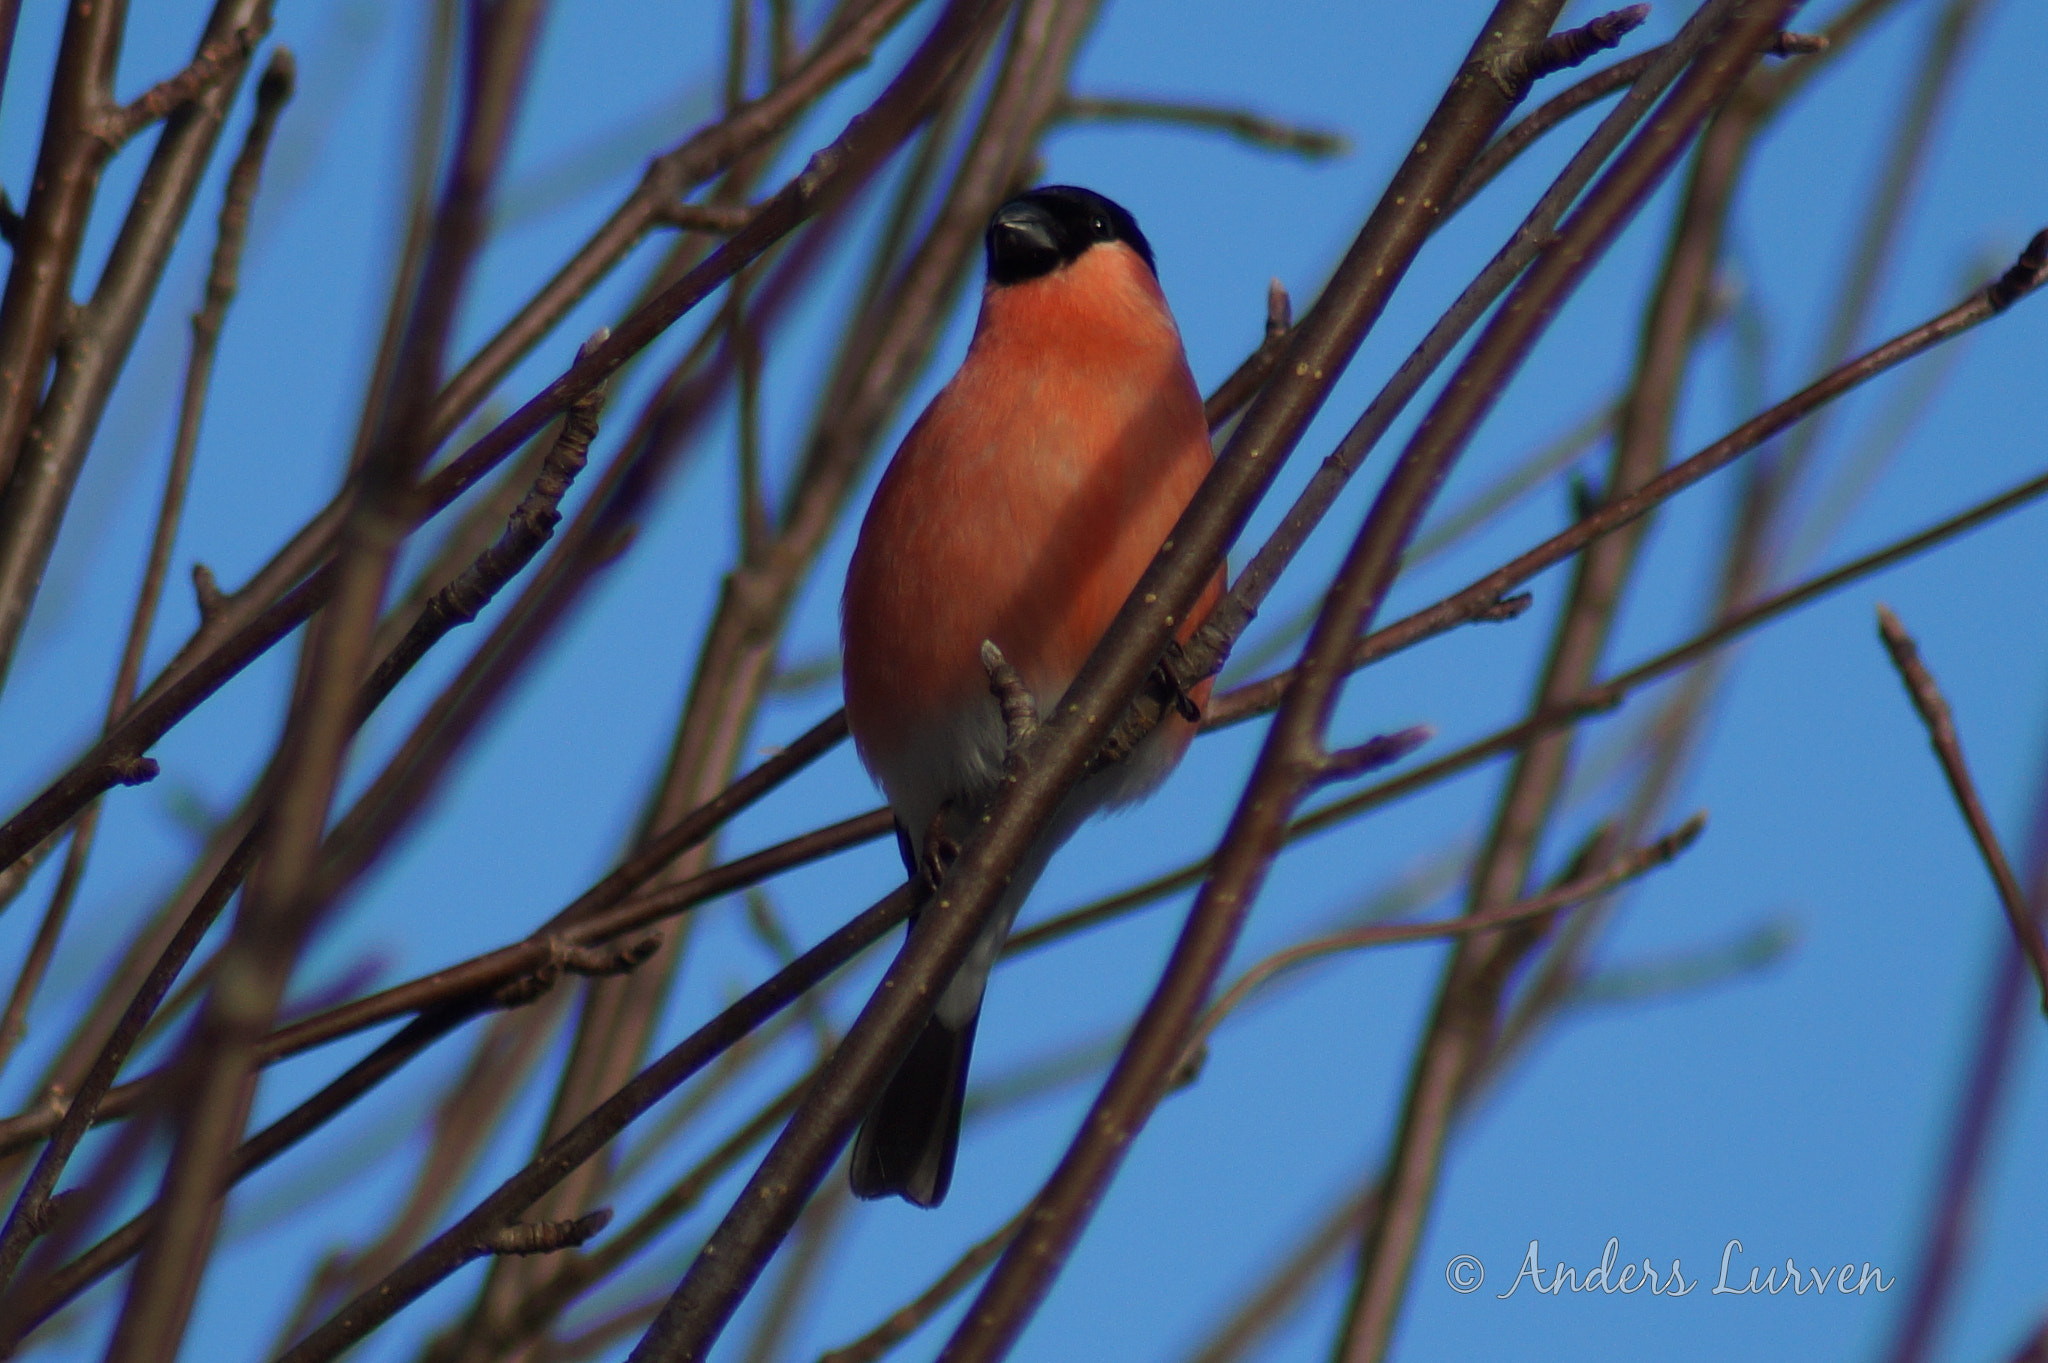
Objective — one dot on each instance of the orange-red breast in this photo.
(1021, 509)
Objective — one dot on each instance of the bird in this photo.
(1020, 510)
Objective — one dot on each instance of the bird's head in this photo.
(1051, 227)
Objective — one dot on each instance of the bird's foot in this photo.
(1006, 684)
(1168, 678)
(940, 851)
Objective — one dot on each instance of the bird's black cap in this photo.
(1038, 232)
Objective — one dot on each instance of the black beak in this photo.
(1021, 244)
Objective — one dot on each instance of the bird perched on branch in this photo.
(1020, 510)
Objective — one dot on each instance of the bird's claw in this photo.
(1006, 684)
(1169, 680)
(940, 851)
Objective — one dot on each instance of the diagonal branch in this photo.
(1577, 890)
(1948, 748)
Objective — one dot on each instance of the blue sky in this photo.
(1800, 1107)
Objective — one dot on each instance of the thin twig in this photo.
(1503, 150)
(215, 62)
(1948, 748)
(1242, 124)
(526, 532)
(1244, 382)
(1620, 870)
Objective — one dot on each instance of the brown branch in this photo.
(1948, 748)
(1244, 382)
(1880, 224)
(802, 1275)
(272, 93)
(1502, 151)
(564, 958)
(537, 1310)
(1572, 892)
(1381, 751)
(527, 530)
(607, 911)
(544, 1237)
(1218, 634)
(1516, 69)
(2024, 277)
(37, 303)
(31, 1204)
(37, 1300)
(1469, 998)
(1242, 124)
(38, 1296)
(442, 1256)
(215, 62)
(1150, 1057)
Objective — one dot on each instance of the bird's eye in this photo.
(1100, 227)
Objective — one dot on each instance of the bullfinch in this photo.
(1020, 509)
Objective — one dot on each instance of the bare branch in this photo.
(215, 62)
(1572, 892)
(1242, 124)
(1518, 68)
(1948, 747)
(544, 1237)
(1483, 594)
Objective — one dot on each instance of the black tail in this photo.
(907, 1141)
